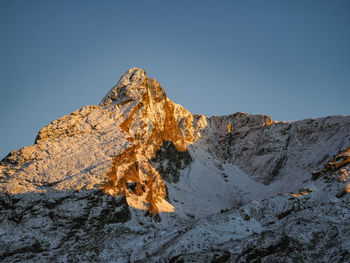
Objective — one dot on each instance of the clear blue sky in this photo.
(287, 59)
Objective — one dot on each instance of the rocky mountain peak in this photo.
(132, 86)
(140, 179)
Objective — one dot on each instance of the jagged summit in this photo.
(139, 178)
(132, 86)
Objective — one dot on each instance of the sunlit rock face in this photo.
(149, 121)
(138, 178)
(132, 86)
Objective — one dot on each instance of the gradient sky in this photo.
(286, 59)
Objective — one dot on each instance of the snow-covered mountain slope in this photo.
(139, 178)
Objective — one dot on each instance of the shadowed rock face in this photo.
(169, 161)
(139, 178)
(54, 221)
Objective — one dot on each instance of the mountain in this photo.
(139, 178)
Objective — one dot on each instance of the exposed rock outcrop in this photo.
(268, 150)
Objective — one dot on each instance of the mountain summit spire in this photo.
(132, 85)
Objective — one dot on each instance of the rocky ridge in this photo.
(138, 178)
